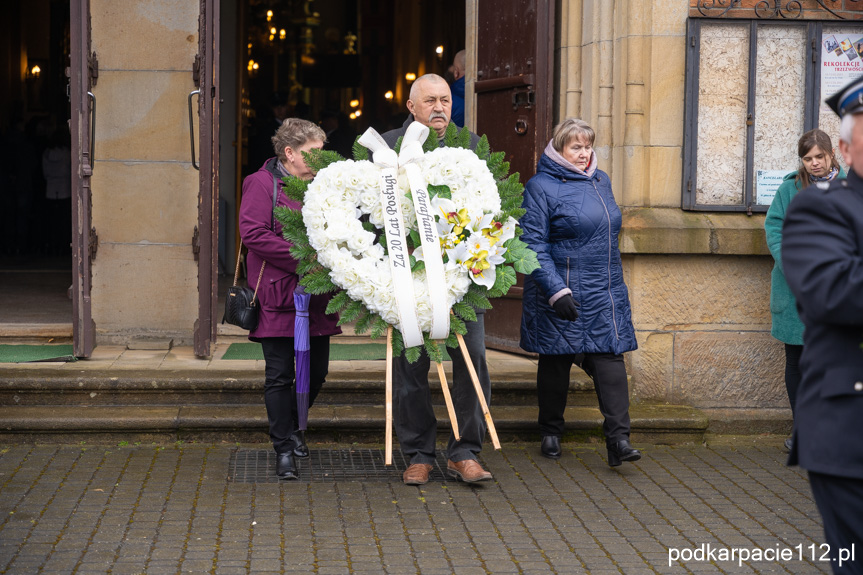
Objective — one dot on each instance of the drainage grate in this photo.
(327, 465)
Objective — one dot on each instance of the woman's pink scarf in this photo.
(558, 159)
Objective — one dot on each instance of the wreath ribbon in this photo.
(410, 152)
(394, 228)
(394, 231)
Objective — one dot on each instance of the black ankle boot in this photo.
(285, 466)
(621, 451)
(550, 447)
(301, 450)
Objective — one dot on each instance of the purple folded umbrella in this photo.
(301, 353)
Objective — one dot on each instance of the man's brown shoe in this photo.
(468, 470)
(417, 474)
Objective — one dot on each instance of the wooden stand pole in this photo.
(453, 420)
(467, 359)
(388, 453)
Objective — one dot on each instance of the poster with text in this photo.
(766, 184)
(840, 63)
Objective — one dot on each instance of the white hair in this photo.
(846, 126)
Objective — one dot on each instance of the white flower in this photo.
(344, 191)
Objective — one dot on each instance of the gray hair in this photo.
(295, 132)
(433, 78)
(570, 129)
(846, 126)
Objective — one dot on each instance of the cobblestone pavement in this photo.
(216, 509)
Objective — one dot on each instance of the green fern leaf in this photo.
(360, 152)
(295, 188)
(457, 325)
(317, 160)
(352, 312)
(412, 354)
(364, 322)
(398, 343)
(482, 148)
(318, 281)
(463, 140)
(379, 327)
(450, 136)
(432, 349)
(464, 311)
(338, 303)
(452, 340)
(477, 298)
(431, 142)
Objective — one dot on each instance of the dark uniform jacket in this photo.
(822, 256)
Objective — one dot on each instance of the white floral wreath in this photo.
(338, 251)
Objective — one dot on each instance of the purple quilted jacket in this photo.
(276, 292)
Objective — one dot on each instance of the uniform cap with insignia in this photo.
(848, 100)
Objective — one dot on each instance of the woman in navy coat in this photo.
(276, 313)
(576, 306)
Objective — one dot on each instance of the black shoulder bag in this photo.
(240, 303)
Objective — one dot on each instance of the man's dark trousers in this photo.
(415, 422)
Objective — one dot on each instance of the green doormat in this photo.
(338, 351)
(25, 353)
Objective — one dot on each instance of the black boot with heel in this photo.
(622, 451)
(550, 447)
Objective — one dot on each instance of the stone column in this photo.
(570, 59)
(145, 191)
(635, 48)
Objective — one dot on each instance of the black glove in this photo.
(566, 308)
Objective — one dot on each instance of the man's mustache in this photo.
(440, 115)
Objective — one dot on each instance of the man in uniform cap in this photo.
(822, 255)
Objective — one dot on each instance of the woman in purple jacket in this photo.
(262, 235)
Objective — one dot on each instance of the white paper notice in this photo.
(766, 184)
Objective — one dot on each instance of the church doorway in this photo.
(345, 64)
(35, 170)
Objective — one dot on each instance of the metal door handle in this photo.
(192, 128)
(521, 127)
(92, 129)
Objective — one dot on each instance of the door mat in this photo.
(10, 353)
(338, 351)
(328, 465)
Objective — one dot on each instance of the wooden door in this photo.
(205, 241)
(514, 99)
(83, 72)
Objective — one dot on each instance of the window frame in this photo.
(812, 99)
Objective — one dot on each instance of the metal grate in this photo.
(327, 465)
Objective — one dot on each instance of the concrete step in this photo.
(347, 384)
(654, 424)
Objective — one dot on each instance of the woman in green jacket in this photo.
(817, 164)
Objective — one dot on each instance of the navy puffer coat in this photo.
(572, 223)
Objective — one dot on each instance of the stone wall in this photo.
(703, 327)
(144, 187)
(699, 282)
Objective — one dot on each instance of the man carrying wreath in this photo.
(430, 103)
